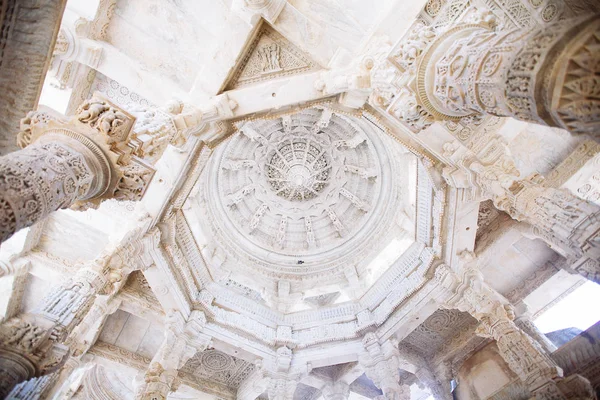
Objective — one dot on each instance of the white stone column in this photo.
(525, 357)
(182, 340)
(524, 322)
(381, 364)
(283, 379)
(35, 388)
(545, 76)
(32, 343)
(281, 388)
(254, 385)
(94, 156)
(557, 216)
(439, 389)
(85, 333)
(44, 177)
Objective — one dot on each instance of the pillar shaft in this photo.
(84, 334)
(78, 163)
(381, 363)
(182, 340)
(439, 388)
(281, 388)
(546, 76)
(524, 356)
(43, 178)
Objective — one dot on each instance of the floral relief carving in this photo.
(576, 105)
(324, 173)
(38, 180)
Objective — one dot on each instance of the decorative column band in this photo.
(59, 169)
(547, 76)
(78, 163)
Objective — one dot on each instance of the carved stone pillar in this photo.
(14, 368)
(523, 355)
(182, 340)
(79, 163)
(46, 176)
(557, 216)
(523, 321)
(439, 388)
(33, 389)
(546, 76)
(30, 344)
(252, 10)
(381, 363)
(30, 28)
(281, 388)
(254, 385)
(84, 334)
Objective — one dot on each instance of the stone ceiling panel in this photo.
(219, 367)
(437, 332)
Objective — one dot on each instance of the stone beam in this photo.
(273, 95)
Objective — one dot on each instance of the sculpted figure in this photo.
(154, 372)
(24, 336)
(89, 112)
(110, 121)
(561, 211)
(64, 300)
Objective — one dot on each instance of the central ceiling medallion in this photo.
(298, 169)
(303, 190)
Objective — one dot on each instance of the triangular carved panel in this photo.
(268, 56)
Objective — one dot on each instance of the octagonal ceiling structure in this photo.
(303, 196)
(304, 227)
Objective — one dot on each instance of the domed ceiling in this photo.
(306, 195)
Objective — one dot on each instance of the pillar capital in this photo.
(478, 67)
(381, 363)
(80, 162)
(183, 338)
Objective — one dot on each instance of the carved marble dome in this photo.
(304, 192)
(299, 199)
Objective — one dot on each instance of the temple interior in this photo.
(300, 199)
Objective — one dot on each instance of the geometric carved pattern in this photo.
(435, 334)
(298, 186)
(219, 367)
(118, 93)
